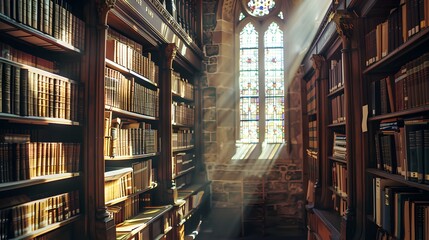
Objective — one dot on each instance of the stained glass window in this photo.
(281, 15)
(260, 7)
(241, 16)
(249, 84)
(274, 84)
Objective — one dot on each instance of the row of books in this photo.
(312, 136)
(128, 54)
(311, 96)
(182, 162)
(151, 223)
(412, 84)
(183, 138)
(401, 211)
(128, 138)
(32, 92)
(335, 75)
(401, 148)
(121, 182)
(339, 149)
(338, 109)
(52, 17)
(339, 204)
(339, 178)
(124, 210)
(128, 94)
(404, 21)
(32, 216)
(118, 183)
(181, 86)
(18, 56)
(182, 113)
(143, 175)
(21, 161)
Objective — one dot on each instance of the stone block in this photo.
(278, 186)
(209, 114)
(293, 176)
(273, 175)
(235, 197)
(227, 175)
(209, 102)
(209, 92)
(232, 187)
(220, 197)
(210, 147)
(212, 50)
(209, 126)
(211, 68)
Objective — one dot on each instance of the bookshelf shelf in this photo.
(397, 178)
(134, 157)
(400, 55)
(183, 149)
(124, 113)
(336, 91)
(408, 112)
(178, 125)
(13, 118)
(136, 224)
(111, 64)
(187, 191)
(337, 159)
(182, 173)
(337, 125)
(180, 98)
(48, 228)
(36, 181)
(122, 199)
(24, 33)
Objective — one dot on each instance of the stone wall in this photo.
(283, 177)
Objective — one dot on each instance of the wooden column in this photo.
(98, 222)
(344, 26)
(167, 188)
(319, 66)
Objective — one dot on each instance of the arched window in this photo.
(261, 72)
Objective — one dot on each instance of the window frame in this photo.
(261, 25)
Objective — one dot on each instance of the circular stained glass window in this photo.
(260, 8)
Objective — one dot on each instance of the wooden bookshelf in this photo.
(42, 123)
(332, 194)
(388, 141)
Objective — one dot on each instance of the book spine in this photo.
(426, 155)
(7, 78)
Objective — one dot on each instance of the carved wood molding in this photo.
(343, 23)
(103, 7)
(317, 63)
(171, 21)
(170, 53)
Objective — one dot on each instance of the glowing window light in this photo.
(260, 7)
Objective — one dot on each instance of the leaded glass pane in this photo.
(281, 15)
(249, 131)
(249, 108)
(274, 132)
(241, 17)
(249, 84)
(260, 7)
(275, 108)
(274, 84)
